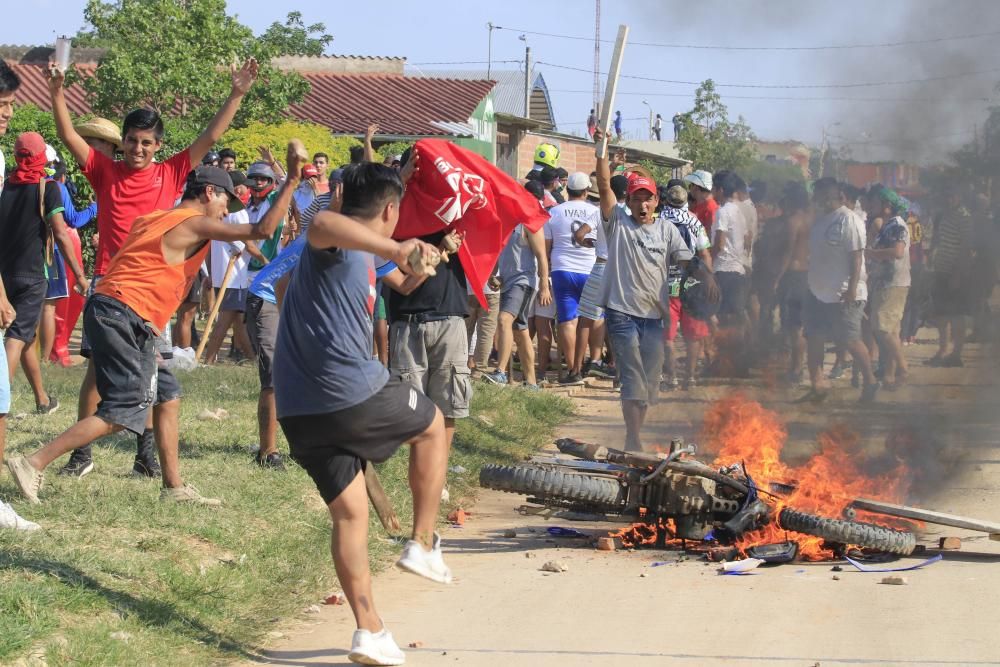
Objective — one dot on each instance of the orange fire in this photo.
(743, 431)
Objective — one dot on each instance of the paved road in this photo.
(616, 609)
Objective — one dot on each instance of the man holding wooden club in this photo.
(142, 287)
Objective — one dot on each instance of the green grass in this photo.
(193, 585)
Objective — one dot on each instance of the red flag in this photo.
(454, 188)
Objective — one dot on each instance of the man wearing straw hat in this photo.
(128, 189)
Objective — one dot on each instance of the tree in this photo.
(709, 139)
(316, 138)
(174, 56)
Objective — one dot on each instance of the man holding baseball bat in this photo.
(142, 287)
(126, 190)
(341, 409)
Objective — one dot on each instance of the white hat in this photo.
(578, 181)
(50, 154)
(701, 178)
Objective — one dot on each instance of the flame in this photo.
(742, 430)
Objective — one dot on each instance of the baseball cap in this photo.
(637, 183)
(336, 176)
(677, 196)
(237, 177)
(29, 144)
(219, 178)
(50, 154)
(578, 181)
(310, 171)
(701, 178)
(593, 193)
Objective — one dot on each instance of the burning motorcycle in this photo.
(697, 500)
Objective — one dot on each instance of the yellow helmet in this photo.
(547, 154)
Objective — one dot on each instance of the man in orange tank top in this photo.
(144, 284)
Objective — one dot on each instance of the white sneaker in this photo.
(375, 648)
(429, 564)
(10, 519)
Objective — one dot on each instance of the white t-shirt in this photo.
(749, 211)
(567, 254)
(833, 240)
(733, 257)
(222, 251)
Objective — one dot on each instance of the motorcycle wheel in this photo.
(554, 484)
(855, 533)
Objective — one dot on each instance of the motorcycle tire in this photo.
(554, 484)
(855, 533)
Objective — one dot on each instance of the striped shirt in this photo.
(317, 205)
(952, 234)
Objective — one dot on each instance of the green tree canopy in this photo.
(709, 139)
(175, 55)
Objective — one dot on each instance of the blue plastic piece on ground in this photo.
(870, 568)
(557, 531)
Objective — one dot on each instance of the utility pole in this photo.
(527, 79)
(650, 126)
(489, 50)
(597, 57)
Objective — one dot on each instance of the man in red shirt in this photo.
(705, 206)
(131, 188)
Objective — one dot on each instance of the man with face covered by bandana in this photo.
(261, 180)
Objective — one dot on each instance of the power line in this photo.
(867, 84)
(790, 98)
(720, 47)
(466, 62)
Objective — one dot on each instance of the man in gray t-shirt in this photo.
(522, 266)
(636, 290)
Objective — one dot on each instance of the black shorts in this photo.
(733, 286)
(124, 358)
(946, 301)
(26, 294)
(335, 446)
(194, 294)
(234, 300)
(793, 293)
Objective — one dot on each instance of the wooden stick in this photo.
(611, 90)
(376, 494)
(226, 277)
(917, 514)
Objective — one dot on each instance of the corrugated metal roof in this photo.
(348, 103)
(35, 88)
(508, 95)
(345, 103)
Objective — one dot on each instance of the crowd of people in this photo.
(359, 351)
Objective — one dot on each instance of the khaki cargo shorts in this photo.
(434, 358)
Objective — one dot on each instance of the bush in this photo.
(317, 139)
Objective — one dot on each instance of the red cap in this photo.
(638, 182)
(309, 171)
(29, 144)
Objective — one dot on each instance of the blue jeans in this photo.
(638, 346)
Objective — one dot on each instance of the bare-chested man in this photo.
(793, 287)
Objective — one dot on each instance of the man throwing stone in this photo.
(340, 409)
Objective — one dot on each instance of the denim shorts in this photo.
(590, 300)
(124, 357)
(639, 349)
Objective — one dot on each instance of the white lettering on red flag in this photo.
(468, 191)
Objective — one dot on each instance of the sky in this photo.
(951, 81)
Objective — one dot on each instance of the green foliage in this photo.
(392, 148)
(174, 56)
(317, 139)
(709, 139)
